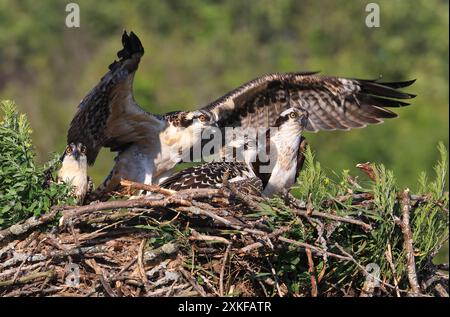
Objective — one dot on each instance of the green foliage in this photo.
(24, 190)
(314, 181)
(429, 224)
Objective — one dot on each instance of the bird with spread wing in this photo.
(283, 146)
(148, 145)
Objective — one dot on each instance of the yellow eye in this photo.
(202, 118)
(83, 149)
(69, 150)
(293, 115)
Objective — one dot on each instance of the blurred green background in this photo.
(198, 50)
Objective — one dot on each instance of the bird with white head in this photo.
(74, 170)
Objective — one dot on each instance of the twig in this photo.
(32, 222)
(222, 270)
(311, 272)
(192, 281)
(164, 290)
(23, 262)
(27, 278)
(107, 287)
(181, 198)
(408, 241)
(392, 266)
(441, 290)
(259, 244)
(140, 260)
(151, 188)
(315, 213)
(315, 249)
(198, 211)
(201, 237)
(25, 268)
(275, 277)
(362, 268)
(18, 257)
(209, 284)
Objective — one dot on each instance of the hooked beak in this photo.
(303, 120)
(76, 154)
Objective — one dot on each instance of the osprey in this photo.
(212, 175)
(148, 144)
(74, 170)
(285, 147)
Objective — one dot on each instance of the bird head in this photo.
(241, 148)
(189, 119)
(294, 117)
(75, 152)
(202, 118)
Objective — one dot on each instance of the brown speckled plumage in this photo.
(110, 117)
(332, 103)
(211, 175)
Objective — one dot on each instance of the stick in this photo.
(69, 212)
(151, 188)
(140, 260)
(258, 245)
(311, 271)
(201, 237)
(392, 266)
(193, 282)
(408, 241)
(315, 249)
(361, 268)
(222, 270)
(275, 277)
(107, 287)
(315, 213)
(18, 257)
(23, 227)
(27, 278)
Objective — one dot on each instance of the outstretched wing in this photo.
(331, 102)
(109, 116)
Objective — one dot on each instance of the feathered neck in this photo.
(288, 133)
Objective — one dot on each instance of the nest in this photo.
(204, 242)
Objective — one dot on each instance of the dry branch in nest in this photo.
(207, 242)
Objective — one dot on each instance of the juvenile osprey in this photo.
(211, 175)
(286, 148)
(148, 145)
(74, 170)
(110, 117)
(283, 143)
(241, 175)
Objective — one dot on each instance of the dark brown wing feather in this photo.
(331, 102)
(208, 175)
(249, 186)
(108, 116)
(301, 155)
